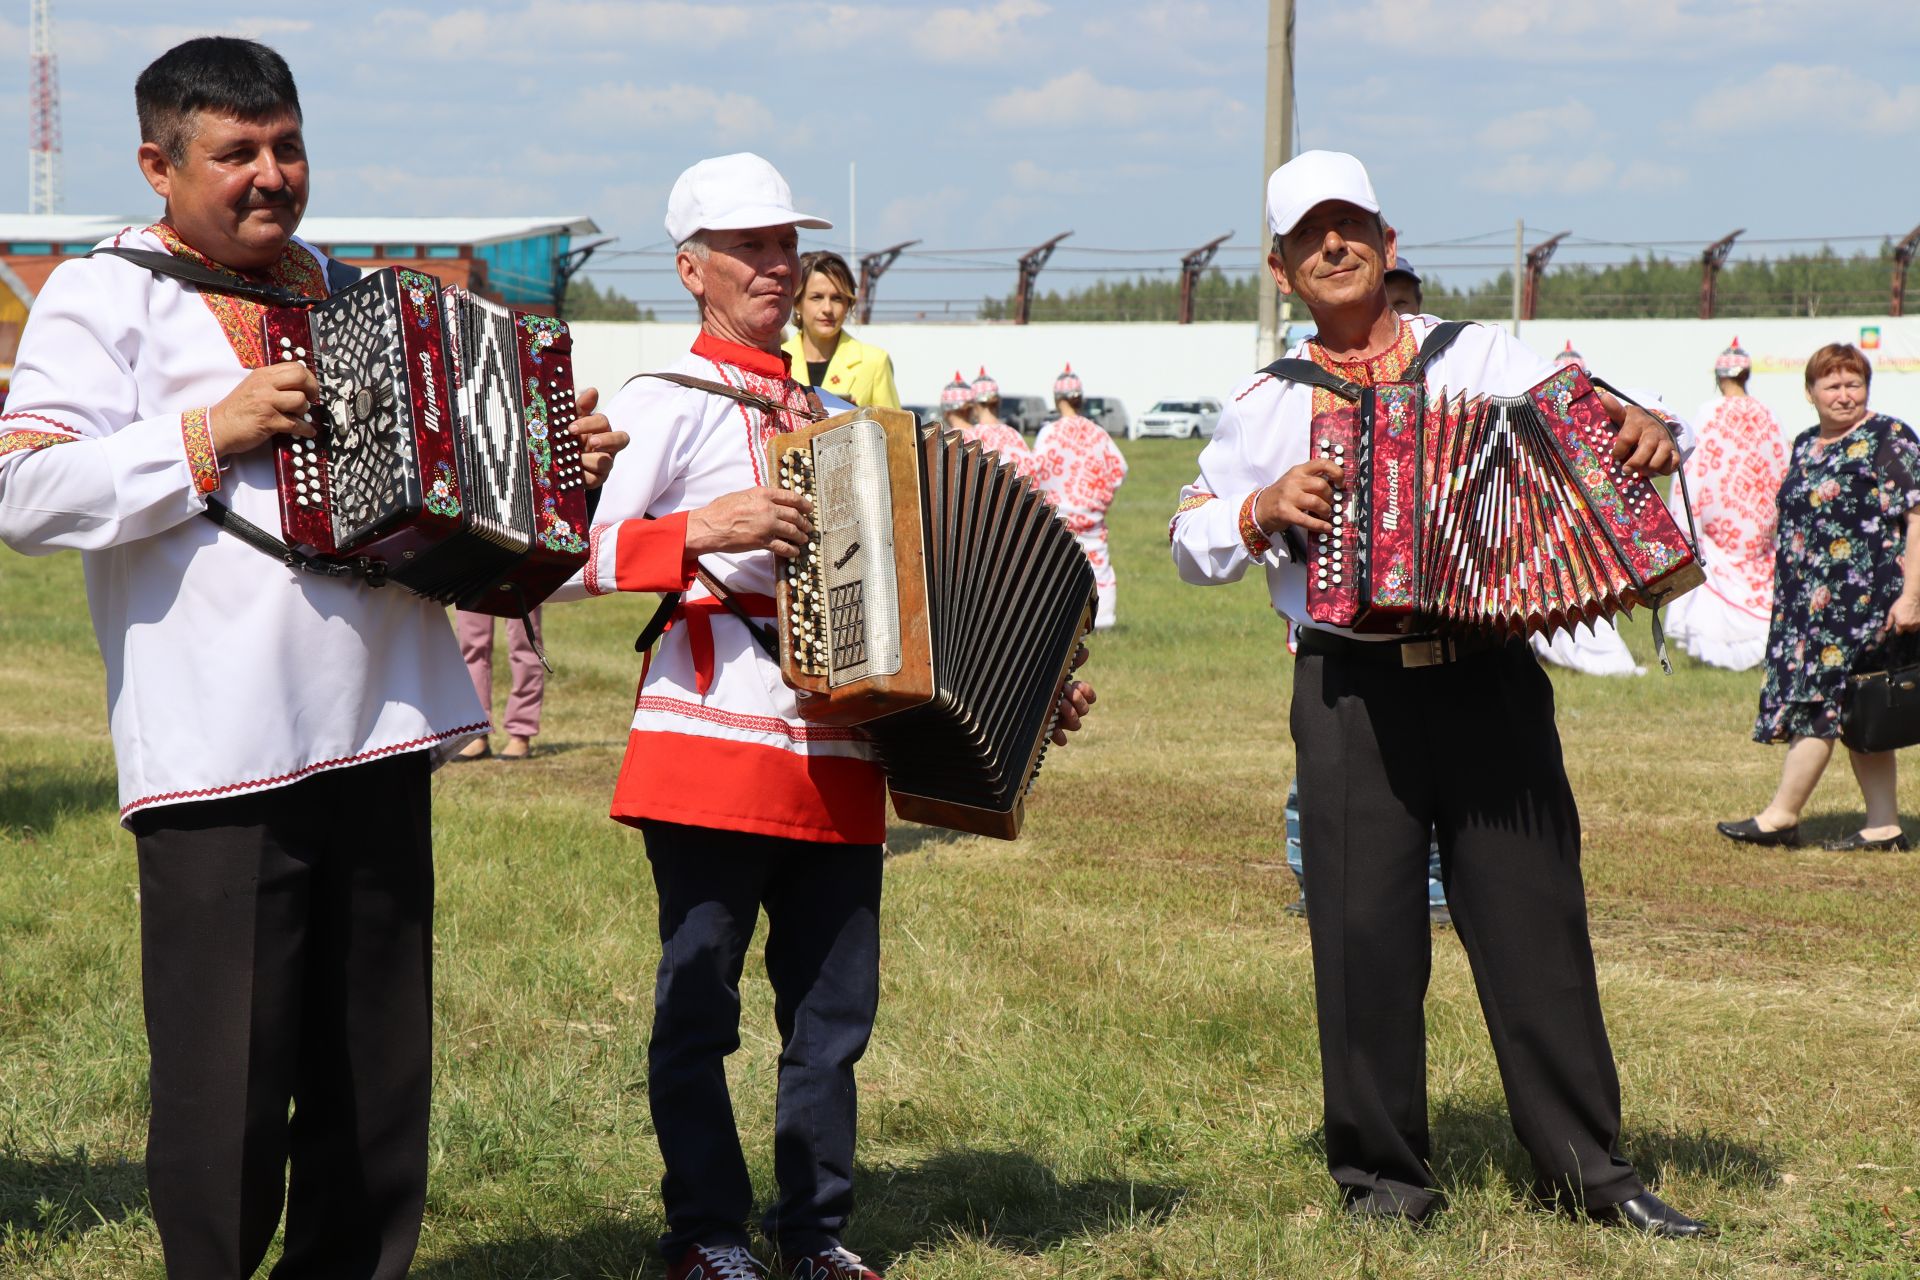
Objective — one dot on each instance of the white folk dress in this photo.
(1003, 441)
(1263, 434)
(716, 739)
(1734, 480)
(227, 671)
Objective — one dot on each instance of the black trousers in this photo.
(823, 961)
(1470, 749)
(285, 941)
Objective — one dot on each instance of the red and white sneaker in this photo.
(717, 1262)
(836, 1263)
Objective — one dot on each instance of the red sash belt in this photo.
(699, 618)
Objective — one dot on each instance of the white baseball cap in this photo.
(732, 193)
(1311, 178)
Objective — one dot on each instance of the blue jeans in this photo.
(823, 961)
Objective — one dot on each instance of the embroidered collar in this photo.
(1389, 366)
(768, 364)
(295, 269)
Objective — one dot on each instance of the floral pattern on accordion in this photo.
(1837, 571)
(1077, 468)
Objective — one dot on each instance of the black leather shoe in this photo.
(1388, 1209)
(1650, 1214)
(1857, 843)
(1749, 831)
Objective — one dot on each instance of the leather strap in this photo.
(1439, 339)
(369, 570)
(1306, 371)
(814, 411)
(166, 264)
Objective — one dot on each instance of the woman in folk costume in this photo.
(989, 432)
(1733, 480)
(956, 404)
(1599, 651)
(1078, 468)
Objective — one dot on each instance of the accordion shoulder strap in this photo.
(165, 264)
(1439, 339)
(814, 409)
(1306, 371)
(373, 572)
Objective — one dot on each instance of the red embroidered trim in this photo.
(240, 317)
(1256, 542)
(36, 417)
(202, 459)
(260, 784)
(590, 576)
(753, 724)
(18, 441)
(1258, 382)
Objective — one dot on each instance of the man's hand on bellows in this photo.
(598, 440)
(1303, 497)
(1076, 700)
(760, 519)
(268, 402)
(1643, 444)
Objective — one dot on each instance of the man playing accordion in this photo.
(1398, 734)
(271, 728)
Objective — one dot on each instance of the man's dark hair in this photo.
(239, 78)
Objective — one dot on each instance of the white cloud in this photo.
(1522, 174)
(1817, 96)
(632, 109)
(597, 29)
(1526, 130)
(950, 34)
(1078, 98)
(1587, 30)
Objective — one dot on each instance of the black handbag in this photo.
(1882, 711)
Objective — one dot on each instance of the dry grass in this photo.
(1095, 1055)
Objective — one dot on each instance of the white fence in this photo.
(1140, 363)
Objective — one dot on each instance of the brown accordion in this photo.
(442, 447)
(1497, 514)
(939, 605)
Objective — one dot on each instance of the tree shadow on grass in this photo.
(1008, 1199)
(608, 1248)
(51, 1198)
(34, 797)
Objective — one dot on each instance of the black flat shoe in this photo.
(1749, 831)
(1649, 1214)
(1857, 843)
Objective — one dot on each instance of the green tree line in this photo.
(1812, 284)
(587, 302)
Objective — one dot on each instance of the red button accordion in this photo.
(442, 446)
(1501, 514)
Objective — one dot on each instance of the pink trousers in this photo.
(529, 678)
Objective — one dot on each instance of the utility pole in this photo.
(1519, 267)
(43, 110)
(1279, 148)
(1712, 258)
(1902, 259)
(1190, 268)
(1537, 259)
(872, 267)
(1030, 263)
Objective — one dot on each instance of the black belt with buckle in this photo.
(1405, 651)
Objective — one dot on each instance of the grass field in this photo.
(1095, 1054)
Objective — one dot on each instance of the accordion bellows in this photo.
(1502, 514)
(442, 446)
(939, 605)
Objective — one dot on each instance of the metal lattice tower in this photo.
(43, 111)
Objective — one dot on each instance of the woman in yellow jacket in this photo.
(824, 354)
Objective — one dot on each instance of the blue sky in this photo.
(1137, 125)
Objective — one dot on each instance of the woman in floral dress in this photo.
(1846, 596)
